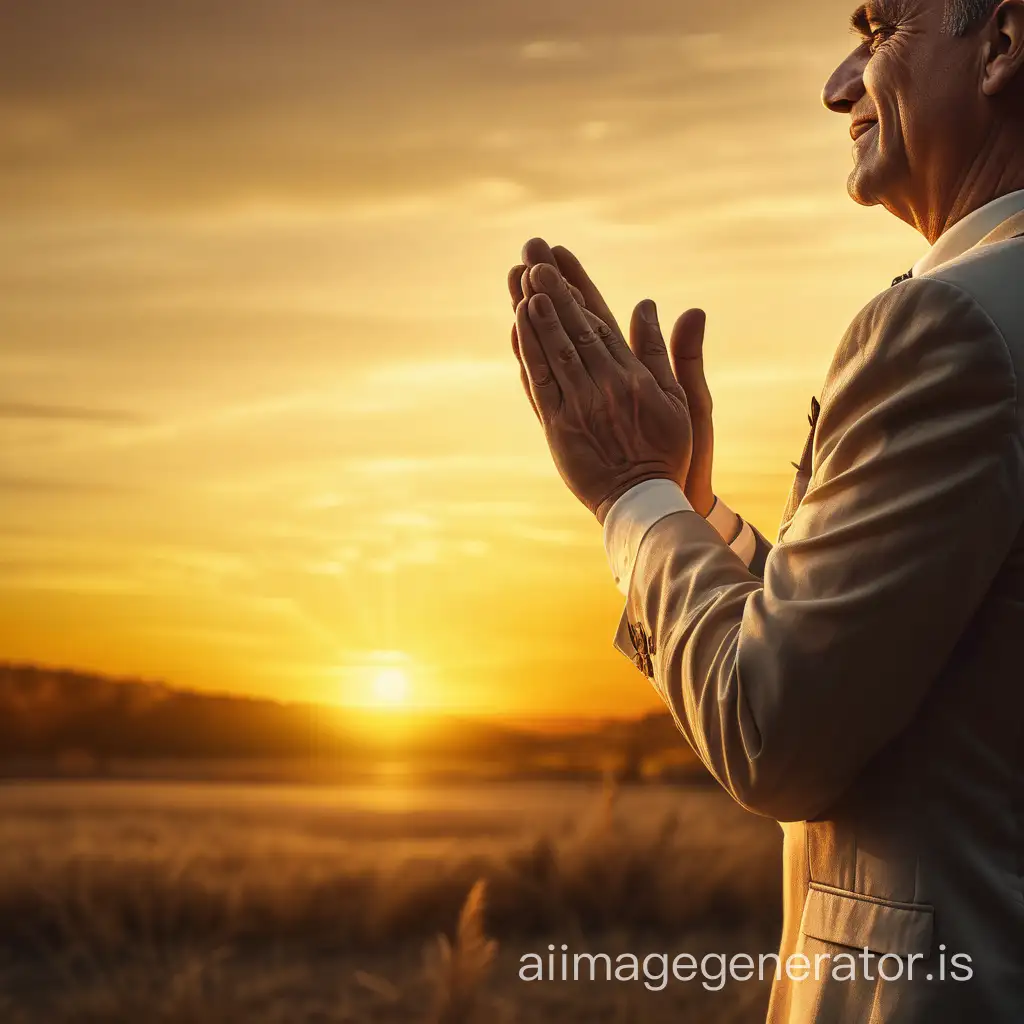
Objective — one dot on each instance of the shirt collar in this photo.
(967, 233)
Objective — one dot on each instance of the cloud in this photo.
(551, 49)
(44, 486)
(67, 414)
(117, 103)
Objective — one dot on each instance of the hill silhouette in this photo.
(66, 722)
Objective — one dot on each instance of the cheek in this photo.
(890, 88)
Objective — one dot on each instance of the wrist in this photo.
(703, 504)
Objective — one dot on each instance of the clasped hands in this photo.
(614, 415)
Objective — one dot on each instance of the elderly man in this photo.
(862, 681)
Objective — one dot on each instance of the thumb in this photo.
(686, 350)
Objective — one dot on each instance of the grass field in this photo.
(196, 904)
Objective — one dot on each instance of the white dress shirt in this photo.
(630, 518)
(967, 233)
(640, 508)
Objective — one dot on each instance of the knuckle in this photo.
(540, 374)
(567, 354)
(588, 337)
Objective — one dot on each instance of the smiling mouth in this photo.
(859, 128)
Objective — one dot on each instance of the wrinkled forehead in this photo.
(886, 11)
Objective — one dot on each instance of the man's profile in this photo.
(861, 680)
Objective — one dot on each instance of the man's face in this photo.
(911, 89)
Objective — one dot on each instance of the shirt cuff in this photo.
(745, 545)
(724, 520)
(630, 518)
(737, 533)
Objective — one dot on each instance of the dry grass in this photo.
(459, 970)
(173, 907)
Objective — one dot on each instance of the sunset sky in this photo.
(262, 429)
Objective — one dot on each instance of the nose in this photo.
(846, 86)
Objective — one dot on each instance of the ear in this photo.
(1004, 47)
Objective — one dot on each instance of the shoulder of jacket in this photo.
(916, 323)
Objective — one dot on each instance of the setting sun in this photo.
(390, 686)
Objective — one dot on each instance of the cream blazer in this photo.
(868, 690)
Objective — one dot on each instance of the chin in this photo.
(863, 186)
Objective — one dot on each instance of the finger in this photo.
(589, 343)
(522, 289)
(544, 389)
(577, 296)
(523, 375)
(537, 251)
(686, 351)
(515, 284)
(561, 357)
(572, 270)
(620, 351)
(526, 286)
(648, 345)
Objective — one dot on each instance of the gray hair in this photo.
(964, 15)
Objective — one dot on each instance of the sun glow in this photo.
(390, 686)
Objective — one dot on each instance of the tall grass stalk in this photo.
(459, 970)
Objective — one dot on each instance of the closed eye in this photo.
(878, 36)
(876, 21)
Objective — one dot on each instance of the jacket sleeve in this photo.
(786, 686)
